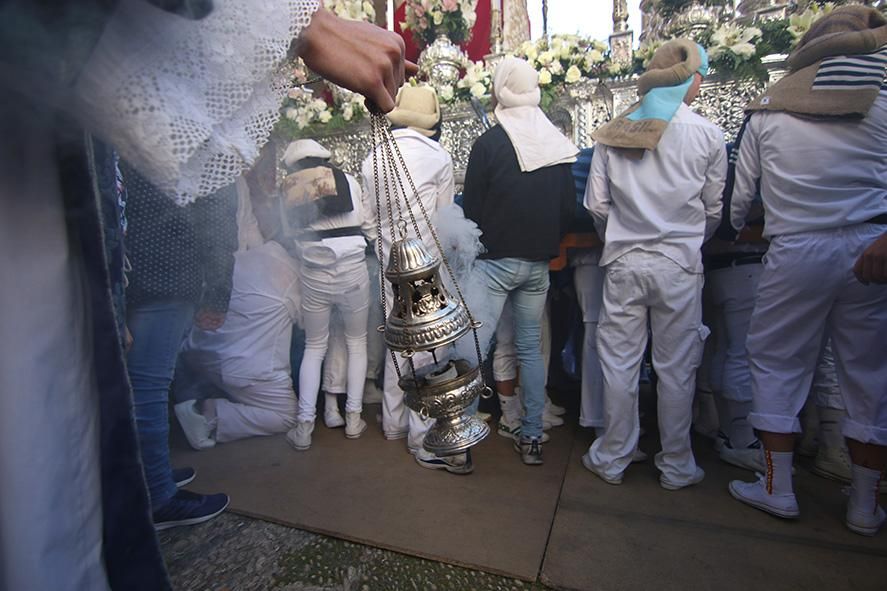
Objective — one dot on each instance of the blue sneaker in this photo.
(183, 476)
(188, 508)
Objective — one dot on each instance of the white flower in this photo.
(348, 111)
(544, 77)
(437, 17)
(745, 50)
(318, 105)
(594, 56)
(291, 113)
(573, 75)
(446, 93)
(556, 68)
(303, 120)
(546, 57)
(325, 116)
(478, 90)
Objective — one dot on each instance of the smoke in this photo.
(460, 239)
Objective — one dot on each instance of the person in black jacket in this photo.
(519, 191)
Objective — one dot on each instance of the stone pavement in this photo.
(236, 553)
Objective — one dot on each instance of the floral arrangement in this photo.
(799, 24)
(731, 48)
(429, 18)
(311, 105)
(353, 10)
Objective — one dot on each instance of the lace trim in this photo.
(190, 103)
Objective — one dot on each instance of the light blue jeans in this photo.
(525, 284)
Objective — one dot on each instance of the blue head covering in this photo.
(663, 102)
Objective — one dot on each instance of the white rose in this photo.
(573, 75)
(478, 90)
(291, 113)
(595, 56)
(544, 77)
(546, 57)
(556, 68)
(745, 50)
(446, 92)
(347, 112)
(303, 121)
(437, 17)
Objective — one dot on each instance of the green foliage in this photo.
(287, 129)
(775, 37)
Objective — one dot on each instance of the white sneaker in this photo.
(614, 480)
(783, 505)
(458, 464)
(512, 430)
(863, 522)
(299, 437)
(750, 458)
(354, 425)
(832, 463)
(667, 484)
(332, 418)
(197, 429)
(372, 394)
(549, 420)
(553, 408)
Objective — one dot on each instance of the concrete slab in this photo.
(639, 535)
(371, 491)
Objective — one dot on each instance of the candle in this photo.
(496, 5)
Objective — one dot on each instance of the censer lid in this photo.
(413, 260)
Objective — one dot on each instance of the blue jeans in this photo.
(526, 284)
(157, 330)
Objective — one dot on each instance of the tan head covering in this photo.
(662, 88)
(837, 69)
(416, 107)
(536, 141)
(300, 149)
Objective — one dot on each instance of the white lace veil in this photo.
(190, 102)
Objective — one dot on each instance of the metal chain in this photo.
(390, 149)
(474, 324)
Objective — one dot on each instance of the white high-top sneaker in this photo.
(354, 425)
(198, 430)
(299, 437)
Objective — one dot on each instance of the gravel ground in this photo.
(236, 553)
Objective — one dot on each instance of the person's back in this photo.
(521, 214)
(833, 175)
(431, 170)
(668, 200)
(254, 341)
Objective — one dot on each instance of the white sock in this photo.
(778, 478)
(864, 488)
(830, 436)
(511, 408)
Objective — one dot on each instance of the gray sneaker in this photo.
(530, 451)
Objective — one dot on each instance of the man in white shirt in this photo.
(823, 179)
(655, 197)
(247, 359)
(416, 121)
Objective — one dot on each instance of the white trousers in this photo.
(826, 391)
(589, 282)
(254, 408)
(732, 292)
(808, 291)
(346, 287)
(398, 420)
(641, 285)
